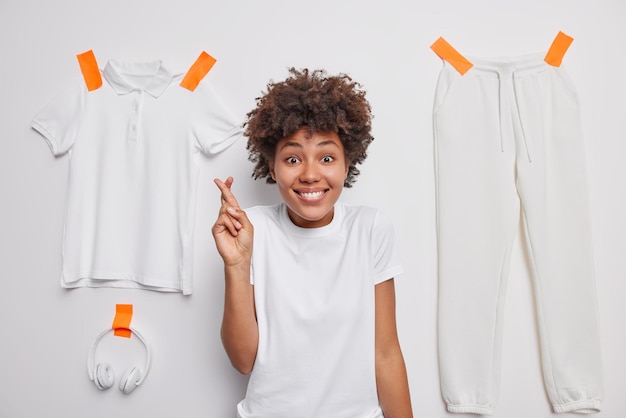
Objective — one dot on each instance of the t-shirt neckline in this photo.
(321, 231)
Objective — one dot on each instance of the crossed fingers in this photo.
(228, 198)
(230, 212)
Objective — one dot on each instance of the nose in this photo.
(310, 173)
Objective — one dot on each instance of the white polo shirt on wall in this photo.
(133, 146)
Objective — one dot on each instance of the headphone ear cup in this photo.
(128, 382)
(104, 376)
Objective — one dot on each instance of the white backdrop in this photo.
(47, 330)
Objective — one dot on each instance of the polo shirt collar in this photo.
(120, 76)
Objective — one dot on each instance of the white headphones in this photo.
(102, 373)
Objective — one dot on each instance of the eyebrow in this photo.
(298, 145)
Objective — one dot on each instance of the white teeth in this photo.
(312, 195)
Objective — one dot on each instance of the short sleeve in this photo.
(213, 125)
(59, 121)
(387, 263)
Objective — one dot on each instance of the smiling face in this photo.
(310, 169)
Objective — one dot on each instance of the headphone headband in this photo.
(92, 353)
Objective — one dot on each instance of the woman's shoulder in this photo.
(363, 215)
(360, 210)
(265, 210)
(262, 214)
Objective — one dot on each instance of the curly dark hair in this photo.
(315, 100)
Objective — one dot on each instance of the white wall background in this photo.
(46, 331)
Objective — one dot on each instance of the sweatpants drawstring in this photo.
(502, 103)
(501, 110)
(519, 117)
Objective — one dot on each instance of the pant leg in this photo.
(477, 217)
(555, 204)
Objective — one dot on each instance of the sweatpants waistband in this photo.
(504, 67)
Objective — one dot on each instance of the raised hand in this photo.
(232, 231)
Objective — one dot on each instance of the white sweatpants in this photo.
(508, 132)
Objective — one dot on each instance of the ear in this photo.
(272, 174)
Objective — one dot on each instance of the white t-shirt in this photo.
(133, 146)
(314, 295)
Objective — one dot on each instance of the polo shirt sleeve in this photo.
(213, 125)
(59, 121)
(387, 264)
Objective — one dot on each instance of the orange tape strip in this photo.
(557, 50)
(448, 53)
(90, 70)
(121, 322)
(197, 71)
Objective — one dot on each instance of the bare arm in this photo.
(233, 234)
(391, 377)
